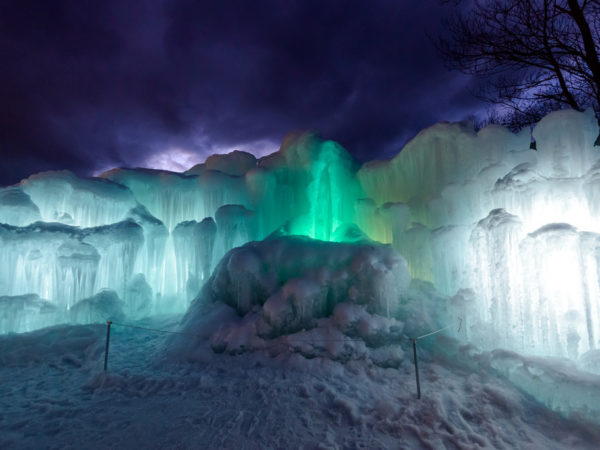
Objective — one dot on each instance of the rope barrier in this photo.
(197, 335)
(414, 343)
(433, 332)
(155, 329)
(275, 344)
(292, 339)
(272, 345)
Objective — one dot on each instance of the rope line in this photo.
(433, 332)
(289, 344)
(154, 329)
(291, 340)
(294, 340)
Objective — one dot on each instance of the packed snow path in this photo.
(54, 394)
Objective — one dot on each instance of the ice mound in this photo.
(557, 384)
(590, 361)
(336, 300)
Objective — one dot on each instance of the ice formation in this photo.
(509, 236)
(337, 300)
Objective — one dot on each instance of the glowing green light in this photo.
(331, 192)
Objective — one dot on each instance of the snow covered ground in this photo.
(54, 394)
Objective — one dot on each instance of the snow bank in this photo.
(76, 346)
(318, 298)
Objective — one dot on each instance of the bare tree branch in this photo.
(536, 55)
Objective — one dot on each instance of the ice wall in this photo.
(153, 237)
(194, 245)
(510, 235)
(63, 197)
(173, 198)
(63, 264)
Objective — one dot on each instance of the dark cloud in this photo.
(90, 85)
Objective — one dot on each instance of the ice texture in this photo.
(338, 300)
(194, 245)
(513, 228)
(48, 259)
(27, 312)
(173, 198)
(236, 163)
(16, 207)
(508, 235)
(63, 197)
(554, 383)
(105, 305)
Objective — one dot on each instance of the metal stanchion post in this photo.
(414, 342)
(108, 324)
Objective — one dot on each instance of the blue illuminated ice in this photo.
(471, 212)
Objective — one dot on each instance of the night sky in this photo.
(88, 86)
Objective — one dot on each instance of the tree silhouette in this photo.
(537, 56)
